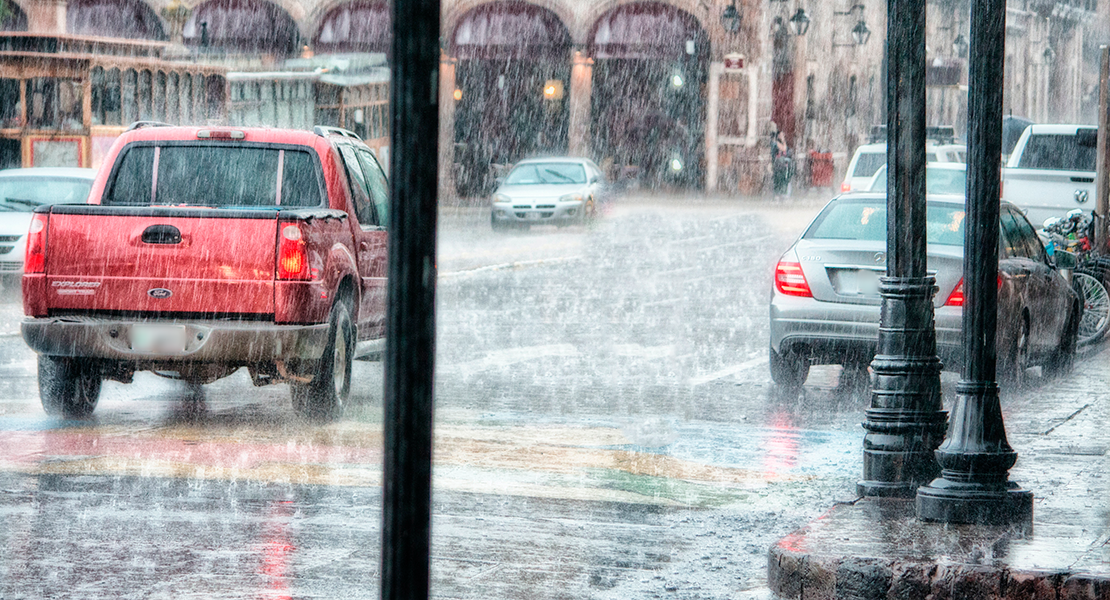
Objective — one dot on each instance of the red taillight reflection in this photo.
(34, 261)
(790, 280)
(292, 261)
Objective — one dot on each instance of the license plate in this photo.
(859, 283)
(159, 339)
(534, 216)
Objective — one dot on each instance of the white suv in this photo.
(869, 157)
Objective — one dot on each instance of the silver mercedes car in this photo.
(825, 299)
(541, 191)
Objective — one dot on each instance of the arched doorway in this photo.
(241, 26)
(12, 18)
(359, 26)
(113, 18)
(648, 102)
(512, 89)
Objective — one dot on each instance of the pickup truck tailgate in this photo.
(160, 260)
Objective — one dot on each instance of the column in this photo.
(712, 108)
(447, 128)
(581, 88)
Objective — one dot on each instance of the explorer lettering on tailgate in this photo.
(205, 250)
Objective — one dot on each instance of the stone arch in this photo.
(242, 26)
(355, 26)
(15, 20)
(114, 18)
(599, 9)
(508, 28)
(651, 62)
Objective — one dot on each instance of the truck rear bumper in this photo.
(229, 342)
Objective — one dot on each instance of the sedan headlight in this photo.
(501, 198)
(575, 197)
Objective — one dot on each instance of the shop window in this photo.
(144, 95)
(186, 96)
(11, 110)
(105, 97)
(55, 103)
(130, 98)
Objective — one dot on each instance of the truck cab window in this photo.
(300, 183)
(360, 193)
(132, 183)
(378, 185)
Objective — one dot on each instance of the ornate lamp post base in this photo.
(973, 503)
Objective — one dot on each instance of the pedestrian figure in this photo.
(781, 164)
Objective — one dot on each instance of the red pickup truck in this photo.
(204, 250)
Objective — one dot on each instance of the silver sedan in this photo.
(825, 300)
(541, 191)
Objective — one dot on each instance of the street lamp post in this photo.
(905, 422)
(976, 458)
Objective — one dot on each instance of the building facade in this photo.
(675, 93)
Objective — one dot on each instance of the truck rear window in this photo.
(1061, 152)
(215, 176)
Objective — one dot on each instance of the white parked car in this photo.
(21, 190)
(1052, 170)
(869, 157)
(541, 191)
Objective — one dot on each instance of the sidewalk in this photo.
(875, 548)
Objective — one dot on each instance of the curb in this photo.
(876, 549)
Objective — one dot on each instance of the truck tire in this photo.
(325, 397)
(67, 388)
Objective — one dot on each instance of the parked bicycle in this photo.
(1075, 233)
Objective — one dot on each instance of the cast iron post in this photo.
(905, 422)
(1102, 178)
(410, 325)
(975, 458)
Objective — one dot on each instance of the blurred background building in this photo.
(683, 94)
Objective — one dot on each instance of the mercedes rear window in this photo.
(865, 220)
(216, 177)
(1061, 152)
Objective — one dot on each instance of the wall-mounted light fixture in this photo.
(960, 46)
(799, 23)
(1049, 55)
(730, 18)
(860, 33)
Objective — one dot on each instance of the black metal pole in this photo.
(905, 422)
(975, 458)
(410, 325)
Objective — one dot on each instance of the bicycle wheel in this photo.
(1096, 306)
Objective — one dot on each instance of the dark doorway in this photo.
(512, 90)
(648, 102)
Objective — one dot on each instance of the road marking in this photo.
(510, 356)
(751, 364)
(513, 265)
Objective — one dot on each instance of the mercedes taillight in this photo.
(956, 298)
(34, 261)
(292, 260)
(790, 280)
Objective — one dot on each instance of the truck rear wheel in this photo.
(67, 388)
(324, 398)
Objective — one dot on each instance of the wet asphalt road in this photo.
(605, 428)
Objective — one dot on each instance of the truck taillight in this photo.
(845, 187)
(35, 259)
(790, 280)
(292, 262)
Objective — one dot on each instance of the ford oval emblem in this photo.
(159, 293)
